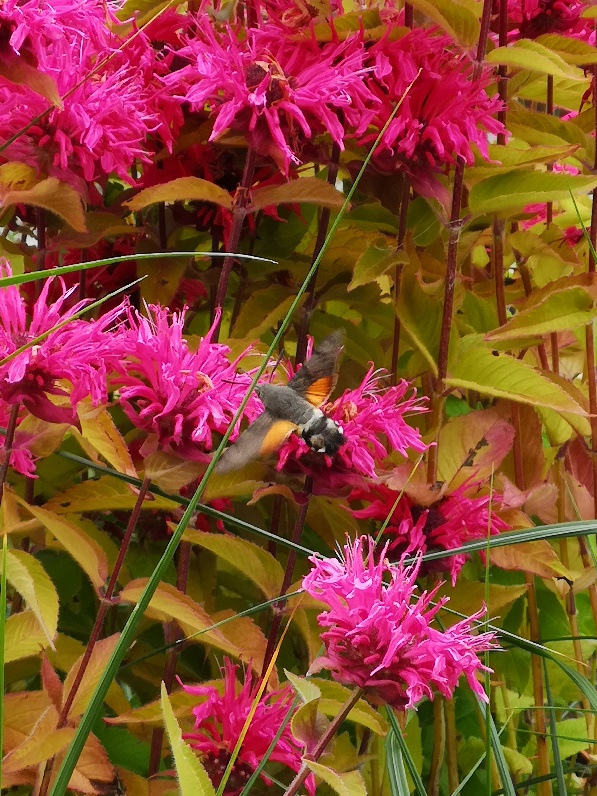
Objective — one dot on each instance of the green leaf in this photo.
(379, 258)
(304, 687)
(477, 367)
(395, 767)
(192, 777)
(261, 311)
(182, 189)
(253, 561)
(528, 54)
(459, 18)
(305, 189)
(515, 189)
(348, 783)
(568, 303)
(573, 51)
(542, 129)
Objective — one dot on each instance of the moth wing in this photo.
(318, 375)
(264, 436)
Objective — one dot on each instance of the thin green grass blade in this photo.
(496, 747)
(128, 633)
(553, 736)
(35, 276)
(395, 767)
(406, 755)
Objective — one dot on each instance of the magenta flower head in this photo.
(280, 91)
(177, 395)
(374, 423)
(442, 114)
(378, 634)
(221, 718)
(72, 360)
(448, 523)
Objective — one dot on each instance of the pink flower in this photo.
(72, 360)
(220, 719)
(445, 525)
(379, 634)
(22, 459)
(374, 424)
(178, 395)
(280, 91)
(442, 115)
(112, 106)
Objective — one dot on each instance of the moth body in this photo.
(283, 402)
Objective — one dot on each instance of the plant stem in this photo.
(322, 231)
(8, 443)
(304, 771)
(239, 213)
(590, 375)
(398, 276)
(278, 610)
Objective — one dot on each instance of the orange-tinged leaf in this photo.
(469, 597)
(104, 494)
(253, 561)
(535, 558)
(41, 438)
(476, 441)
(151, 713)
(86, 552)
(43, 742)
(23, 636)
(182, 189)
(170, 472)
(52, 684)
(169, 604)
(94, 772)
(22, 711)
(305, 189)
(531, 55)
(247, 637)
(459, 18)
(100, 224)
(16, 175)
(91, 677)
(53, 195)
(16, 69)
(29, 578)
(133, 784)
(99, 434)
(515, 189)
(477, 367)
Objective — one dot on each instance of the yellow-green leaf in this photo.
(379, 258)
(568, 303)
(53, 195)
(477, 367)
(528, 54)
(86, 552)
(253, 561)
(334, 696)
(23, 637)
(262, 310)
(305, 189)
(515, 189)
(459, 18)
(29, 578)
(348, 783)
(170, 472)
(573, 51)
(182, 189)
(192, 777)
(304, 687)
(104, 494)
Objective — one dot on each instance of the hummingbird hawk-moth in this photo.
(293, 407)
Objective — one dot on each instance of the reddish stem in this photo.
(589, 343)
(278, 608)
(8, 443)
(322, 231)
(239, 213)
(304, 771)
(455, 224)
